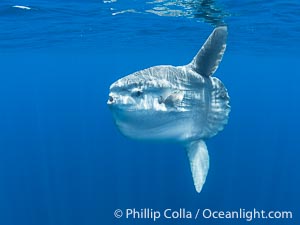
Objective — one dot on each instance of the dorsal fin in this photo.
(210, 55)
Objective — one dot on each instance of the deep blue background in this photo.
(62, 161)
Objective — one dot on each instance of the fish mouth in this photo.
(121, 103)
(110, 100)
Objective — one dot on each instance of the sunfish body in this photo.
(182, 104)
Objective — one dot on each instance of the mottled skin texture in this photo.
(169, 103)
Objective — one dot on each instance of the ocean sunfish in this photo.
(179, 104)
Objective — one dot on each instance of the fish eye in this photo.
(160, 100)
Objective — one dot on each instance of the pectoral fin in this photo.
(199, 162)
(174, 99)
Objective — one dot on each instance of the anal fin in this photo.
(199, 162)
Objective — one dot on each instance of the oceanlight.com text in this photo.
(201, 214)
(248, 215)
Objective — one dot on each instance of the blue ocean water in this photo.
(62, 160)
